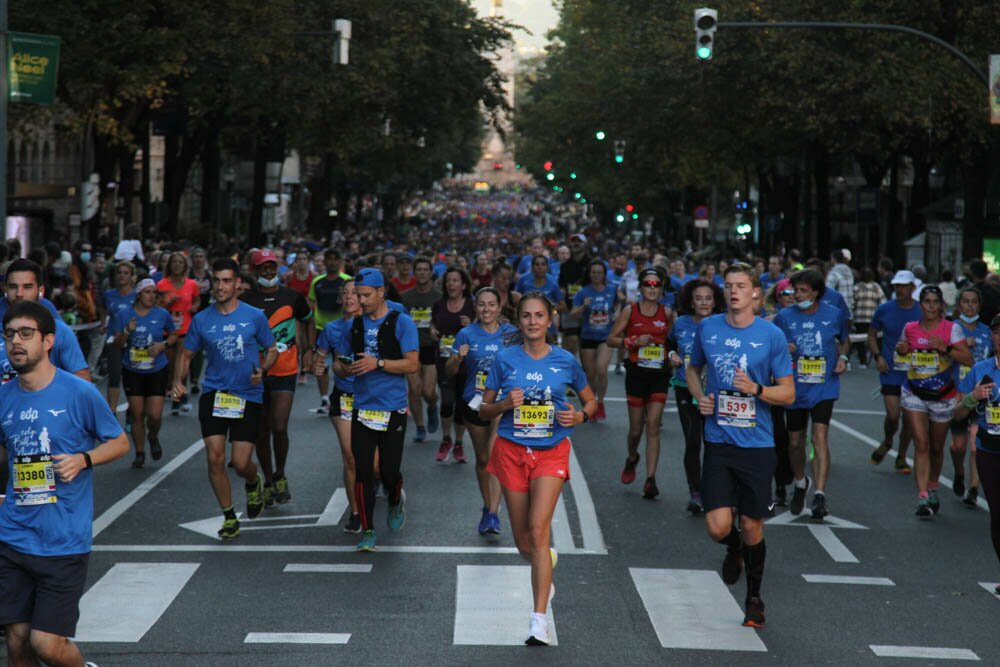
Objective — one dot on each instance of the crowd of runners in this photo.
(490, 321)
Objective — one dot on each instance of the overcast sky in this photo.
(538, 16)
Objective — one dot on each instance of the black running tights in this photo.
(364, 442)
(989, 479)
(691, 424)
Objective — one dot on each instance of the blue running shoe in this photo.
(484, 521)
(396, 518)
(433, 420)
(421, 434)
(493, 524)
(367, 542)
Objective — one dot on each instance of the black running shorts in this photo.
(738, 477)
(242, 429)
(44, 591)
(821, 413)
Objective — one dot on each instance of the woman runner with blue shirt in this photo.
(981, 401)
(980, 341)
(531, 453)
(475, 347)
(330, 341)
(142, 332)
(595, 306)
(699, 299)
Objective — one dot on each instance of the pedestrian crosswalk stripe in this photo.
(125, 603)
(923, 652)
(297, 638)
(693, 609)
(329, 567)
(493, 605)
(834, 579)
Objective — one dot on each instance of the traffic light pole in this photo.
(884, 27)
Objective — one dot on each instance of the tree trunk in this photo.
(126, 184)
(821, 178)
(256, 224)
(210, 183)
(144, 196)
(319, 196)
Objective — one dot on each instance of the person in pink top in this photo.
(181, 297)
(932, 344)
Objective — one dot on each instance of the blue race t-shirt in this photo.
(544, 382)
(380, 390)
(682, 336)
(331, 338)
(151, 328)
(987, 416)
(483, 347)
(5, 304)
(550, 289)
(890, 318)
(832, 297)
(65, 353)
(761, 351)
(816, 353)
(232, 343)
(115, 302)
(43, 515)
(980, 344)
(597, 317)
(766, 281)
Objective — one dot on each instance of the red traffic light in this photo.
(629, 208)
(548, 165)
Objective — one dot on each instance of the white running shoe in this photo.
(538, 632)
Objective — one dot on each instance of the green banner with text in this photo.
(33, 62)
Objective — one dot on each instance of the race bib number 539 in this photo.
(736, 409)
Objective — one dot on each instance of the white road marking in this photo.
(297, 638)
(991, 587)
(362, 568)
(871, 442)
(125, 603)
(693, 609)
(562, 535)
(838, 550)
(335, 509)
(593, 538)
(923, 652)
(126, 503)
(834, 579)
(298, 548)
(493, 604)
(823, 532)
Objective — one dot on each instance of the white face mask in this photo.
(264, 282)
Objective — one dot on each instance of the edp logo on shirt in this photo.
(29, 415)
(535, 377)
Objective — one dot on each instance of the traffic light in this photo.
(599, 135)
(547, 165)
(629, 208)
(572, 174)
(550, 176)
(620, 218)
(705, 22)
(619, 151)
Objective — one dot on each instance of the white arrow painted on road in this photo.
(823, 532)
(330, 517)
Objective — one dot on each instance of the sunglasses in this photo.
(787, 292)
(651, 283)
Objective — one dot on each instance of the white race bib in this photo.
(811, 370)
(228, 406)
(376, 420)
(736, 409)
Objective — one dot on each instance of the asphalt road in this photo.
(637, 580)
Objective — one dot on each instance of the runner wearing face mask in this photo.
(980, 342)
(287, 312)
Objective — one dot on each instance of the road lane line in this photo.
(923, 652)
(590, 528)
(297, 638)
(335, 508)
(562, 534)
(150, 483)
(125, 603)
(493, 604)
(835, 579)
(838, 550)
(871, 442)
(357, 568)
(693, 609)
(300, 548)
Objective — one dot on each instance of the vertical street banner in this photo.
(33, 62)
(995, 89)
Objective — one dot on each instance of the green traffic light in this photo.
(577, 195)
(583, 200)
(620, 218)
(704, 52)
(550, 176)
(517, 166)
(619, 159)
(635, 216)
(600, 135)
(572, 174)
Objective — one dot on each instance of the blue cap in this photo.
(369, 277)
